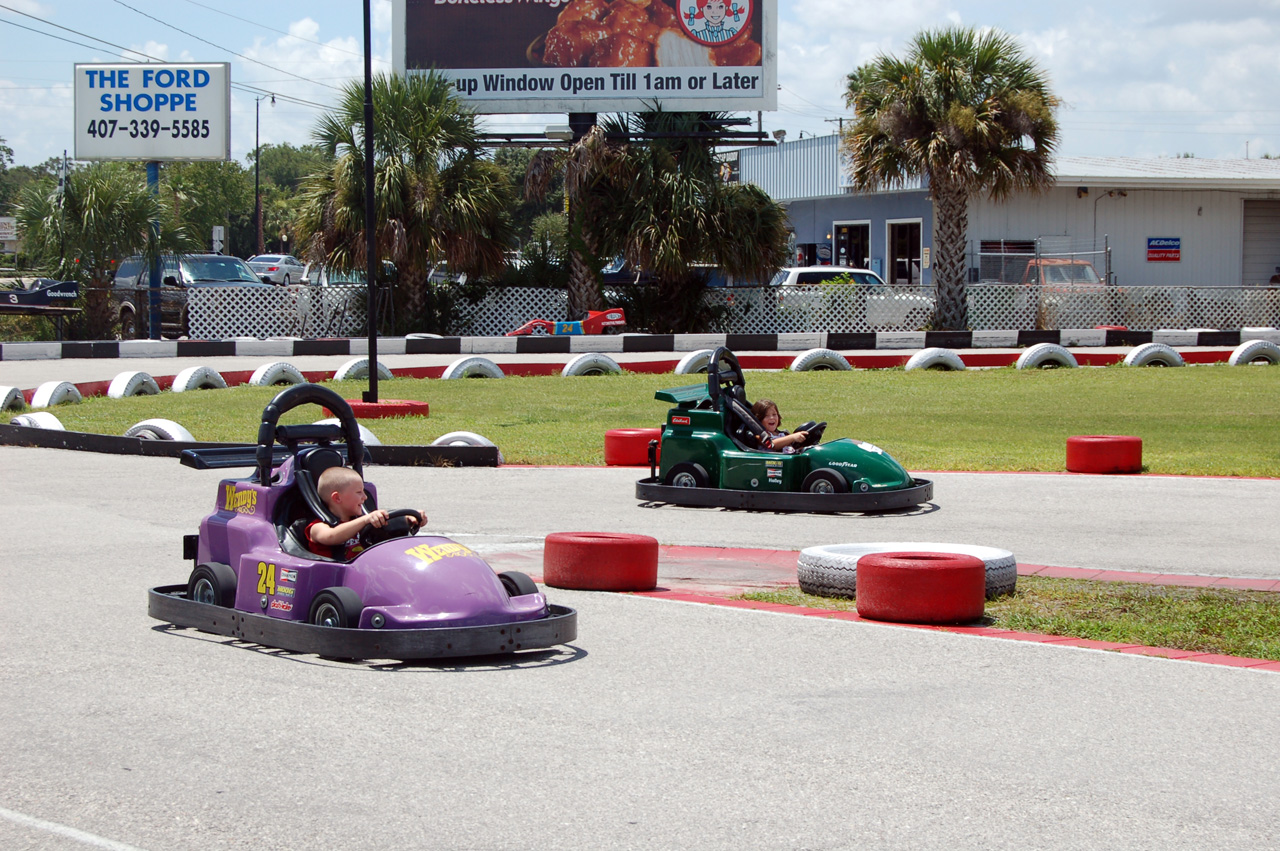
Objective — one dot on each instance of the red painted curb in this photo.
(386, 408)
(1104, 453)
(928, 588)
(629, 447)
(600, 561)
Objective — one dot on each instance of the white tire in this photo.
(128, 384)
(38, 419)
(1255, 351)
(54, 393)
(694, 362)
(280, 372)
(158, 429)
(359, 368)
(1153, 354)
(367, 437)
(1045, 355)
(831, 571)
(472, 368)
(198, 378)
(465, 438)
(819, 359)
(11, 399)
(935, 358)
(592, 363)
(423, 336)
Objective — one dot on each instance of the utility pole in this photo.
(837, 121)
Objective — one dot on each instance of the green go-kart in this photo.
(710, 456)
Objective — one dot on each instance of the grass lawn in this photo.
(1234, 623)
(1203, 420)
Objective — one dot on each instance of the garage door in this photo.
(1261, 241)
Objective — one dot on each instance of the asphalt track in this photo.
(665, 725)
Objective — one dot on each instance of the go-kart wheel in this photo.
(687, 474)
(825, 481)
(214, 584)
(517, 583)
(336, 607)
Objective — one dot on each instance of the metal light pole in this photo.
(370, 216)
(257, 166)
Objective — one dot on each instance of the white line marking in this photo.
(69, 832)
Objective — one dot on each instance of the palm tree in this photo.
(104, 214)
(967, 111)
(438, 199)
(664, 206)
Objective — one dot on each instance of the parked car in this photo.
(886, 308)
(278, 268)
(1050, 271)
(131, 297)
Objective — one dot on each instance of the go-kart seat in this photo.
(309, 463)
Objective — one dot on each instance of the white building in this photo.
(1182, 222)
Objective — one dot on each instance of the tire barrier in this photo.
(694, 362)
(1153, 354)
(423, 336)
(831, 571)
(55, 393)
(472, 368)
(935, 358)
(600, 561)
(918, 587)
(157, 429)
(1255, 351)
(358, 368)
(270, 374)
(592, 363)
(389, 408)
(629, 447)
(38, 419)
(134, 383)
(819, 359)
(198, 378)
(465, 438)
(1043, 355)
(366, 437)
(1104, 453)
(11, 399)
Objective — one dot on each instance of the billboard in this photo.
(153, 111)
(531, 56)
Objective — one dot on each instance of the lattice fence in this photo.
(226, 312)
(218, 313)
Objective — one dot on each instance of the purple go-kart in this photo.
(402, 597)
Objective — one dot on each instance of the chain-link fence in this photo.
(1043, 261)
(226, 312)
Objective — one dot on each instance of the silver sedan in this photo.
(277, 268)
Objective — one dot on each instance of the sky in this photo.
(1136, 78)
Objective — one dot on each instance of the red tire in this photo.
(933, 588)
(629, 447)
(600, 561)
(1104, 453)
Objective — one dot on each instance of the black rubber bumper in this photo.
(169, 603)
(651, 490)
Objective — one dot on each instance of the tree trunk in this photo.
(950, 225)
(584, 289)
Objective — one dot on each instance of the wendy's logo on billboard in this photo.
(713, 22)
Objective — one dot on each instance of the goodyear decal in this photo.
(245, 502)
(431, 554)
(842, 464)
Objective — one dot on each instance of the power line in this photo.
(281, 32)
(220, 47)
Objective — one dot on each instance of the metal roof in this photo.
(1171, 172)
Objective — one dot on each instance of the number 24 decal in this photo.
(266, 578)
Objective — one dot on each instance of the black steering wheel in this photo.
(722, 380)
(397, 526)
(813, 431)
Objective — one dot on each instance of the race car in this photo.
(42, 292)
(595, 323)
(403, 596)
(711, 456)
